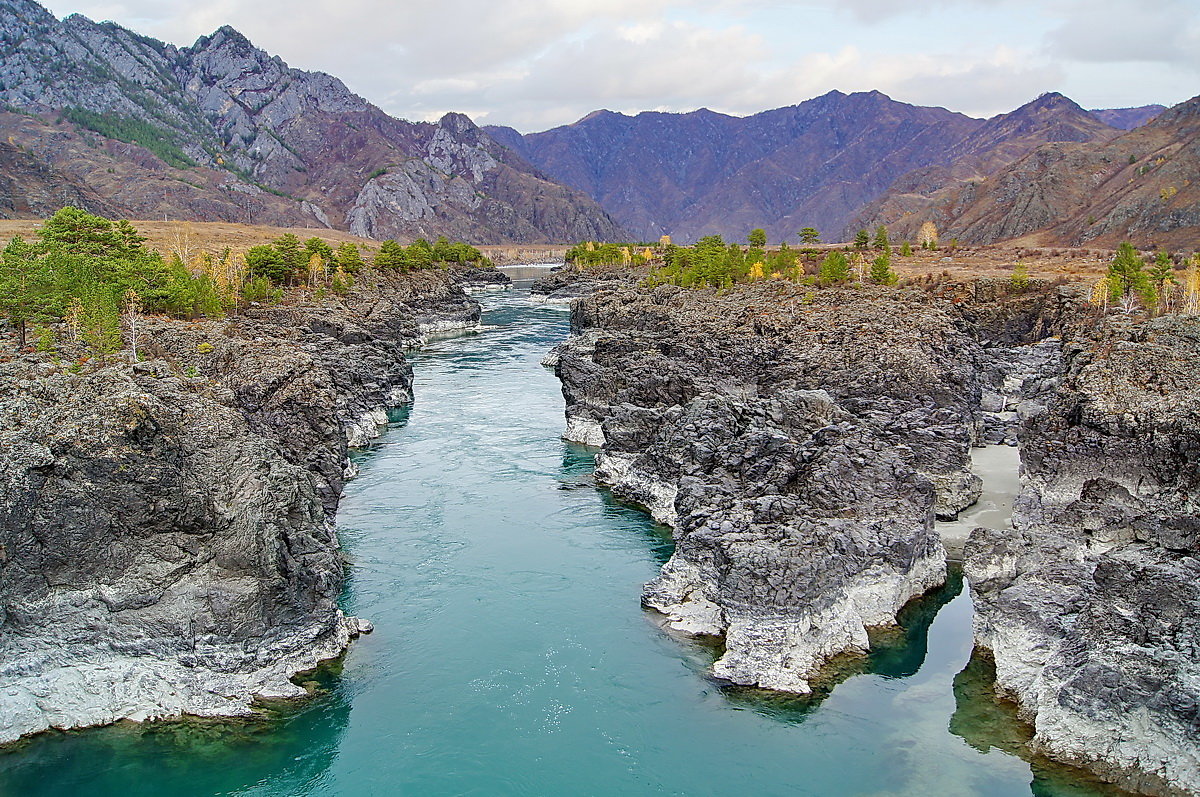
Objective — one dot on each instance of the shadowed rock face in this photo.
(327, 156)
(799, 446)
(166, 541)
(1091, 607)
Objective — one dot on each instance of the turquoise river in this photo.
(511, 656)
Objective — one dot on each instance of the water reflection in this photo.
(290, 744)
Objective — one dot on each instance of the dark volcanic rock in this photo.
(798, 443)
(472, 279)
(166, 536)
(565, 285)
(1091, 607)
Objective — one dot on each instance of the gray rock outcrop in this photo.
(799, 444)
(166, 536)
(1091, 606)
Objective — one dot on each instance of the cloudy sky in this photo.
(534, 64)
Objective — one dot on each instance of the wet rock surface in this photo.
(799, 443)
(1091, 607)
(166, 536)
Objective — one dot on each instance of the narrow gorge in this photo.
(807, 450)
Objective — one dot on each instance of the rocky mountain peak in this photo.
(1051, 100)
(25, 11)
(459, 124)
(1186, 112)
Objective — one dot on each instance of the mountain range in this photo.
(102, 117)
(223, 131)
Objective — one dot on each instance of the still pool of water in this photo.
(511, 656)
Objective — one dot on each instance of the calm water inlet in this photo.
(511, 656)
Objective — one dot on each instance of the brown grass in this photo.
(210, 236)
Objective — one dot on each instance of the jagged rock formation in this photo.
(999, 142)
(1090, 607)
(694, 174)
(1136, 187)
(231, 120)
(166, 537)
(799, 446)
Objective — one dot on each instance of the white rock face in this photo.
(1090, 606)
(66, 693)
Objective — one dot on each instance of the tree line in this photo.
(86, 280)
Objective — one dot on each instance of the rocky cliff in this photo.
(1090, 605)
(799, 444)
(251, 135)
(166, 536)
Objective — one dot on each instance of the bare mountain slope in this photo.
(692, 174)
(1000, 141)
(241, 120)
(1139, 186)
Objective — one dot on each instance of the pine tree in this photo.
(905, 250)
(26, 286)
(349, 259)
(810, 236)
(292, 254)
(757, 237)
(392, 256)
(80, 233)
(881, 239)
(835, 269)
(1126, 274)
(862, 239)
(881, 270)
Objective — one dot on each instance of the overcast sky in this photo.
(534, 64)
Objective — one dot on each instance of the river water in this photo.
(511, 656)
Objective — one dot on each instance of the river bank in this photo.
(166, 527)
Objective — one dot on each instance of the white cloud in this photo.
(538, 63)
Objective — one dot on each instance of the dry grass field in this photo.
(170, 236)
(981, 261)
(167, 236)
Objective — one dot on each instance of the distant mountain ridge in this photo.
(1139, 186)
(120, 123)
(251, 135)
(1128, 118)
(692, 174)
(839, 162)
(997, 143)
